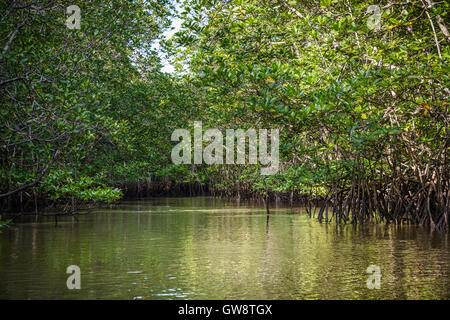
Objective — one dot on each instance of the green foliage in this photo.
(4, 223)
(85, 111)
(356, 107)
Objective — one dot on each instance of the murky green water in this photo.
(203, 248)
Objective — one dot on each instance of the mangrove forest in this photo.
(333, 114)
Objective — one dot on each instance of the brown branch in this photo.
(291, 9)
(31, 184)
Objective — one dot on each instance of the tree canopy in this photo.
(358, 90)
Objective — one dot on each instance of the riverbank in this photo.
(354, 206)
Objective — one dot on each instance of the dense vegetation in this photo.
(361, 102)
(86, 110)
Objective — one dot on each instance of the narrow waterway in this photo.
(205, 248)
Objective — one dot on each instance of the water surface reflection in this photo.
(204, 248)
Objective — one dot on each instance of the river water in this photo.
(205, 248)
